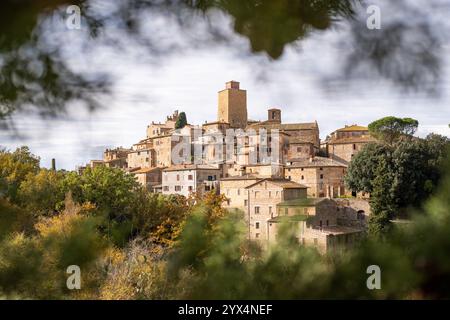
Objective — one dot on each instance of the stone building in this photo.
(234, 189)
(188, 179)
(116, 158)
(300, 149)
(232, 105)
(142, 155)
(96, 163)
(271, 170)
(323, 177)
(263, 197)
(299, 133)
(148, 177)
(158, 129)
(344, 143)
(315, 221)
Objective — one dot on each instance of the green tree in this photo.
(110, 189)
(383, 202)
(14, 219)
(181, 121)
(14, 168)
(42, 193)
(35, 267)
(391, 129)
(361, 170)
(413, 166)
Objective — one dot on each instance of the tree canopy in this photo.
(391, 129)
(181, 121)
(398, 176)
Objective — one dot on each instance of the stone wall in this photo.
(353, 212)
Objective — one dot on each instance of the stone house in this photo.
(116, 158)
(324, 177)
(344, 143)
(188, 179)
(158, 129)
(141, 158)
(262, 198)
(234, 189)
(148, 177)
(315, 221)
(300, 149)
(163, 146)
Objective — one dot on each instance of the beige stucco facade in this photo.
(187, 179)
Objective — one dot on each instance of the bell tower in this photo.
(274, 115)
(232, 107)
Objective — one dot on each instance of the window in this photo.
(289, 177)
(256, 210)
(178, 177)
(257, 225)
(190, 188)
(190, 177)
(238, 192)
(327, 223)
(321, 169)
(256, 194)
(303, 177)
(321, 176)
(177, 188)
(245, 202)
(166, 188)
(320, 223)
(257, 235)
(270, 211)
(299, 149)
(147, 159)
(354, 146)
(139, 153)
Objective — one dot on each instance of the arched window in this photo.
(360, 215)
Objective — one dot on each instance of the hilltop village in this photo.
(303, 184)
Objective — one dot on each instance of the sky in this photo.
(148, 86)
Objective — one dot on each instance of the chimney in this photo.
(53, 164)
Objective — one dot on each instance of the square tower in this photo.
(274, 115)
(233, 105)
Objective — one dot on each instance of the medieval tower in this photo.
(233, 105)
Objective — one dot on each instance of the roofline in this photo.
(272, 179)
